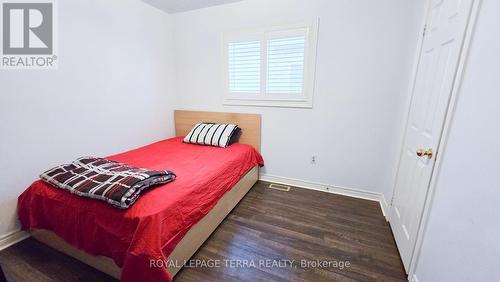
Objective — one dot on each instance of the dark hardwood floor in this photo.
(270, 236)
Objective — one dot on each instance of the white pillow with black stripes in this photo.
(213, 134)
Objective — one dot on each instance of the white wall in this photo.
(461, 241)
(364, 60)
(112, 92)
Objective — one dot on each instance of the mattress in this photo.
(160, 218)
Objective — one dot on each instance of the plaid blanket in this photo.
(116, 183)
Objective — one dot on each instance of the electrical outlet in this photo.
(314, 159)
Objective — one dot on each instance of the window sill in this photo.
(269, 103)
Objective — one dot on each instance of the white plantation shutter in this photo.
(273, 66)
(244, 67)
(285, 65)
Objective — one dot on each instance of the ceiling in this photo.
(176, 6)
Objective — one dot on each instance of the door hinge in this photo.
(425, 29)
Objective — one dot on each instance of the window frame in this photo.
(305, 99)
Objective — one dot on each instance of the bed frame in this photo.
(196, 236)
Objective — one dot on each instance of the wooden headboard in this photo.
(249, 124)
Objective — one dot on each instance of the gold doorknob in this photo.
(422, 153)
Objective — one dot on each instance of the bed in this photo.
(167, 224)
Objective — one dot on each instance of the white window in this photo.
(244, 66)
(271, 66)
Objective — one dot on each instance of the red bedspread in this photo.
(160, 218)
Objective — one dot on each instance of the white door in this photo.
(441, 47)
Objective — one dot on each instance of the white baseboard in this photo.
(414, 278)
(346, 191)
(384, 206)
(11, 238)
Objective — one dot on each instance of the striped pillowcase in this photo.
(212, 134)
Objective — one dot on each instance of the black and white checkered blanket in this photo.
(116, 183)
